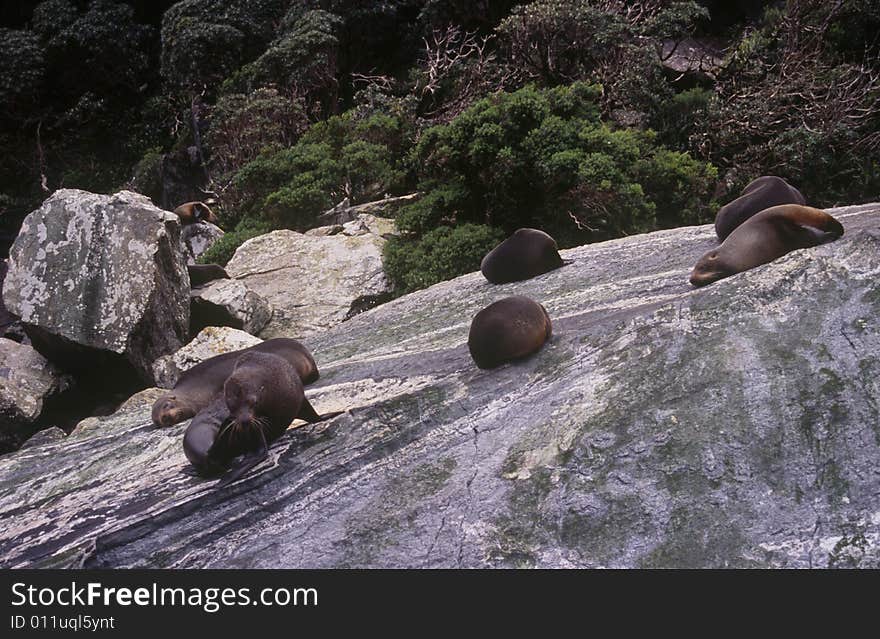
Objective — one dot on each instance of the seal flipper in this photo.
(308, 413)
(247, 462)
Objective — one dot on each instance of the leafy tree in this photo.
(610, 42)
(242, 126)
(544, 159)
(204, 41)
(342, 157)
(22, 73)
(303, 60)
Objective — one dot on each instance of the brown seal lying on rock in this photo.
(508, 329)
(765, 237)
(199, 385)
(525, 254)
(260, 399)
(761, 193)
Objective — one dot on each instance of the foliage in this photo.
(543, 158)
(609, 42)
(441, 254)
(242, 126)
(342, 157)
(793, 101)
(22, 71)
(302, 60)
(204, 41)
(223, 249)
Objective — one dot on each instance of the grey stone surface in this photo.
(93, 275)
(311, 282)
(27, 379)
(45, 436)
(198, 238)
(228, 303)
(210, 342)
(735, 425)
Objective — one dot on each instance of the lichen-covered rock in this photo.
(734, 425)
(310, 282)
(211, 341)
(27, 379)
(198, 238)
(96, 276)
(228, 303)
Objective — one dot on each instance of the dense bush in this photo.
(543, 158)
(612, 43)
(222, 251)
(440, 254)
(302, 60)
(342, 157)
(243, 126)
(560, 114)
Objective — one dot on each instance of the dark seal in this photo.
(525, 254)
(761, 193)
(194, 212)
(508, 329)
(260, 399)
(200, 274)
(198, 385)
(765, 237)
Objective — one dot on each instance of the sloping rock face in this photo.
(94, 275)
(311, 282)
(735, 425)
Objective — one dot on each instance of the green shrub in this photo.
(440, 254)
(223, 250)
(336, 158)
(543, 158)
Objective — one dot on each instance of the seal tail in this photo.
(308, 413)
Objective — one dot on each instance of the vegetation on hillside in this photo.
(581, 117)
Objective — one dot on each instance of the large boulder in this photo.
(99, 278)
(733, 425)
(210, 342)
(228, 303)
(312, 282)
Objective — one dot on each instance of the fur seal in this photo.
(193, 212)
(759, 194)
(260, 399)
(198, 385)
(525, 254)
(508, 329)
(765, 237)
(200, 274)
